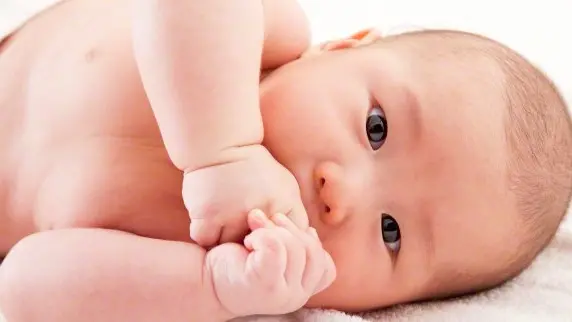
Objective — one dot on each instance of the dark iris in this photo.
(390, 229)
(376, 129)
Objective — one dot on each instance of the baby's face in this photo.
(400, 165)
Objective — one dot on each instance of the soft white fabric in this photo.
(540, 30)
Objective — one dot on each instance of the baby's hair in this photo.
(538, 137)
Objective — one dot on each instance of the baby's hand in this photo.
(219, 197)
(276, 272)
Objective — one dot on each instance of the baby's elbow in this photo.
(36, 280)
(287, 31)
(20, 283)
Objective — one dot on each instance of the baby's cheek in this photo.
(363, 281)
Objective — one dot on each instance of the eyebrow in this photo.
(414, 116)
(427, 227)
(403, 101)
(425, 211)
(425, 221)
(404, 98)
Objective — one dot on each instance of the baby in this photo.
(430, 164)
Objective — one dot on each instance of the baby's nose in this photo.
(334, 192)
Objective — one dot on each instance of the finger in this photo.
(286, 222)
(299, 216)
(329, 273)
(320, 270)
(313, 233)
(295, 246)
(204, 232)
(258, 219)
(315, 262)
(268, 259)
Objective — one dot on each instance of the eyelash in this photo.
(390, 222)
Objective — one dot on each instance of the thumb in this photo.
(299, 216)
(329, 274)
(225, 265)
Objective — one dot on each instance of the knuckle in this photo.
(266, 282)
(204, 210)
(273, 243)
(270, 286)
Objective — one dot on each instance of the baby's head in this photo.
(432, 164)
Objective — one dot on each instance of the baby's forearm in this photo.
(200, 63)
(103, 275)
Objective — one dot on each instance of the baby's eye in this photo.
(376, 127)
(390, 233)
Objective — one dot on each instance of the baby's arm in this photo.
(200, 64)
(104, 275)
(286, 33)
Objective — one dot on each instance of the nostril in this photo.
(322, 182)
(327, 209)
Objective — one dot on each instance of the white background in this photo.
(539, 30)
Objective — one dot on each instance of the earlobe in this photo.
(360, 38)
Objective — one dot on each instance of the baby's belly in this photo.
(113, 182)
(83, 147)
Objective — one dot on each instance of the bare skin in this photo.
(71, 161)
(435, 173)
(100, 134)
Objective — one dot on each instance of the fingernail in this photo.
(280, 218)
(258, 214)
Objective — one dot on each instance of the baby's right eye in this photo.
(376, 127)
(390, 232)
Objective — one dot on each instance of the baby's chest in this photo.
(118, 183)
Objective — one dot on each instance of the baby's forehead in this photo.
(446, 51)
(449, 79)
(461, 104)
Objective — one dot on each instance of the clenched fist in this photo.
(219, 197)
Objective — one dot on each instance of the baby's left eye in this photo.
(390, 232)
(376, 128)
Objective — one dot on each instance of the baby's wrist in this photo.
(221, 313)
(229, 155)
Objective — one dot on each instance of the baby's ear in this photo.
(360, 38)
